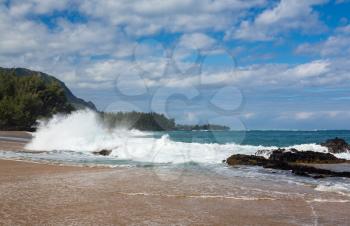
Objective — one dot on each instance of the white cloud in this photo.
(335, 45)
(248, 115)
(312, 69)
(315, 73)
(22, 8)
(67, 49)
(285, 16)
(304, 115)
(148, 17)
(197, 41)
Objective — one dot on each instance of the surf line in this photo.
(196, 196)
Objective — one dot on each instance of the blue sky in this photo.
(255, 64)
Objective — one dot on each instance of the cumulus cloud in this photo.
(94, 52)
(312, 69)
(336, 45)
(23, 8)
(148, 17)
(71, 50)
(314, 73)
(197, 41)
(285, 16)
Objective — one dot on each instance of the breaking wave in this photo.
(82, 131)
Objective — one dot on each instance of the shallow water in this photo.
(72, 139)
(195, 194)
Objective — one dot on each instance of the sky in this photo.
(254, 64)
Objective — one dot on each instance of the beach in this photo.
(38, 193)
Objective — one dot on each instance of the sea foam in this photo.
(82, 131)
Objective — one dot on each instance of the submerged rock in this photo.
(336, 145)
(103, 152)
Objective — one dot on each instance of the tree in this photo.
(23, 100)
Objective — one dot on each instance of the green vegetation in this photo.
(202, 127)
(26, 96)
(73, 100)
(138, 120)
(150, 122)
(25, 99)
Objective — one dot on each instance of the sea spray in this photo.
(82, 131)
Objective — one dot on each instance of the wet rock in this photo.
(336, 145)
(251, 160)
(299, 163)
(103, 152)
(304, 157)
(317, 173)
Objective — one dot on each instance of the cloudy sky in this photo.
(254, 64)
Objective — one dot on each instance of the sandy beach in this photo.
(42, 194)
(13, 140)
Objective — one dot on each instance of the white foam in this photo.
(82, 131)
(338, 188)
(310, 147)
(331, 200)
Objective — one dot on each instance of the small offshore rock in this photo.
(336, 145)
(103, 152)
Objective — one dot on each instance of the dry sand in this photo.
(39, 194)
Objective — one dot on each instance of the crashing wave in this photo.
(82, 131)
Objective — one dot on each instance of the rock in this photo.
(251, 160)
(103, 152)
(311, 171)
(299, 163)
(336, 145)
(304, 157)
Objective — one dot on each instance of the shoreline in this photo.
(14, 140)
(40, 193)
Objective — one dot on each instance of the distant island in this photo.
(26, 96)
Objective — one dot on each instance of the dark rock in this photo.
(251, 160)
(304, 157)
(103, 152)
(299, 163)
(311, 171)
(299, 172)
(336, 145)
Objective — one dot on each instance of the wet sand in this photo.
(40, 194)
(13, 140)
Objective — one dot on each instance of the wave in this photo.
(340, 188)
(82, 131)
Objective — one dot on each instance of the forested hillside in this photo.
(26, 96)
(139, 120)
(24, 99)
(77, 103)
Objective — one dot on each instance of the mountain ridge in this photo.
(78, 103)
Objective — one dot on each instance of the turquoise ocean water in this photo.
(257, 137)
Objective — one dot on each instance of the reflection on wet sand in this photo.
(44, 194)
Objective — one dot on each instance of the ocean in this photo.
(276, 138)
(72, 139)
